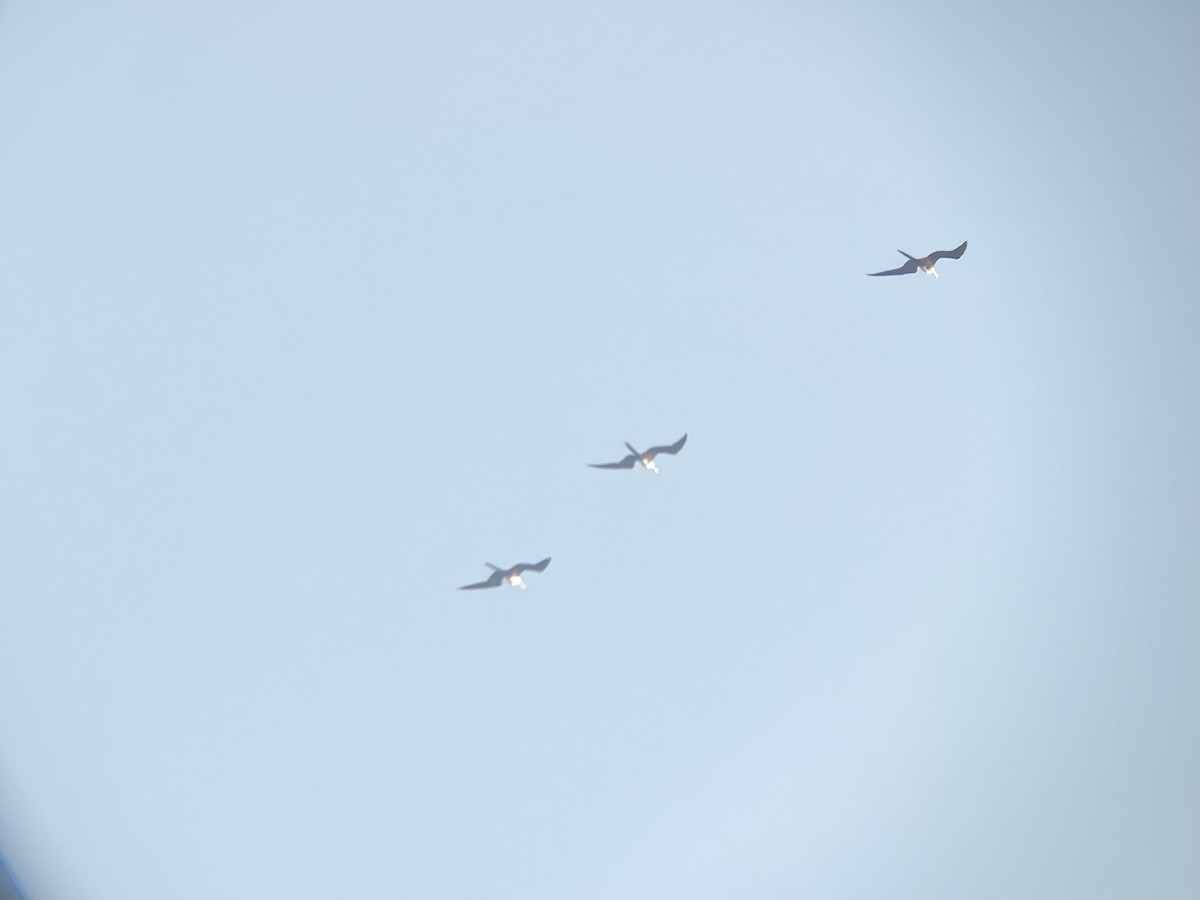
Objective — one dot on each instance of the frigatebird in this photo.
(646, 459)
(511, 575)
(926, 263)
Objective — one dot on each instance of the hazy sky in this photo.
(307, 312)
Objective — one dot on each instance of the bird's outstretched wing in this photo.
(494, 581)
(672, 449)
(530, 567)
(956, 253)
(907, 269)
(627, 463)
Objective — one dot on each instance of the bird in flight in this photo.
(646, 459)
(926, 263)
(510, 576)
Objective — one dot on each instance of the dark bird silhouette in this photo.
(511, 575)
(926, 263)
(646, 459)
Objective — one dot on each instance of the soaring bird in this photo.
(511, 575)
(646, 459)
(926, 263)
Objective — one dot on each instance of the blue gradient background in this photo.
(309, 310)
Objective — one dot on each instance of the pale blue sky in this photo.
(308, 312)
